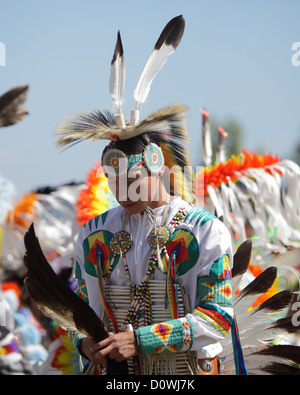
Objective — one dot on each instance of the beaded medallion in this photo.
(159, 237)
(153, 158)
(115, 162)
(120, 243)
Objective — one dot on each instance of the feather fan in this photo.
(12, 109)
(261, 326)
(57, 301)
(166, 44)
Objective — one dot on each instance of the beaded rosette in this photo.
(116, 163)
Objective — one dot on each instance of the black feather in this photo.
(260, 284)
(172, 33)
(286, 352)
(242, 258)
(276, 302)
(281, 369)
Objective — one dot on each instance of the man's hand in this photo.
(118, 346)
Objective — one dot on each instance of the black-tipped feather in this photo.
(172, 33)
(281, 369)
(117, 74)
(276, 302)
(260, 284)
(241, 261)
(166, 44)
(242, 258)
(285, 352)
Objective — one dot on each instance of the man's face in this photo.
(135, 190)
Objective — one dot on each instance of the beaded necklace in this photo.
(140, 307)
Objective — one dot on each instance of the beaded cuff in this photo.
(171, 336)
(75, 337)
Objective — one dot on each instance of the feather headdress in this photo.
(168, 123)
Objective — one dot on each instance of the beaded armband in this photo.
(216, 287)
(170, 336)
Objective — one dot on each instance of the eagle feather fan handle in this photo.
(57, 301)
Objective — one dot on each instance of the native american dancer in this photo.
(156, 274)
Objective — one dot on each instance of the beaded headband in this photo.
(117, 163)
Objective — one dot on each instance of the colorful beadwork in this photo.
(215, 291)
(171, 336)
(120, 243)
(216, 317)
(115, 162)
(153, 158)
(140, 306)
(221, 268)
(159, 237)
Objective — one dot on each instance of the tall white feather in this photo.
(206, 139)
(164, 47)
(117, 75)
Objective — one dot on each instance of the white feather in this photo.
(117, 75)
(155, 63)
(164, 47)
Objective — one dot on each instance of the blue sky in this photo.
(234, 60)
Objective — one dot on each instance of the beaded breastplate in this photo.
(152, 301)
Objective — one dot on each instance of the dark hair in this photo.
(135, 145)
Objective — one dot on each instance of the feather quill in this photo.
(164, 47)
(117, 74)
(12, 109)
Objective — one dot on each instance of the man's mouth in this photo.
(128, 205)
